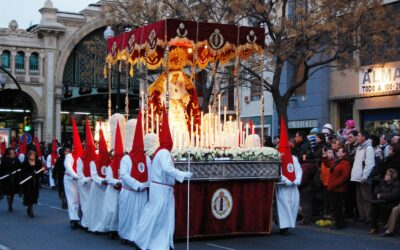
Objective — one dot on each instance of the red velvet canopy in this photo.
(213, 42)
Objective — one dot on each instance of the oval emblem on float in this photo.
(141, 167)
(221, 204)
(290, 168)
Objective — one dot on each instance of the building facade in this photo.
(41, 59)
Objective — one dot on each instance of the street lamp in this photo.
(108, 33)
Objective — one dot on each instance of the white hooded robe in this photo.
(71, 188)
(156, 226)
(288, 198)
(96, 201)
(84, 184)
(110, 207)
(131, 199)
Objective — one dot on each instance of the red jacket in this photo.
(340, 175)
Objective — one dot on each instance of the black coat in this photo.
(31, 187)
(389, 192)
(393, 161)
(10, 184)
(303, 148)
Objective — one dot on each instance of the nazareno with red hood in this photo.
(71, 177)
(135, 180)
(155, 229)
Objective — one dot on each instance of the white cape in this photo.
(288, 199)
(110, 207)
(84, 184)
(71, 188)
(96, 201)
(131, 200)
(156, 226)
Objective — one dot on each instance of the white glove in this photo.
(288, 183)
(142, 188)
(297, 182)
(188, 175)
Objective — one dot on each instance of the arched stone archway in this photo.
(72, 41)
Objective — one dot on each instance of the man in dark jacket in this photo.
(386, 197)
(304, 155)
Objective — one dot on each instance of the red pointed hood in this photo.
(77, 150)
(103, 158)
(54, 154)
(165, 134)
(118, 152)
(37, 146)
(288, 169)
(90, 150)
(23, 145)
(139, 165)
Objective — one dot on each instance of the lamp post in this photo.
(108, 33)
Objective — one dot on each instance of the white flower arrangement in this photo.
(205, 154)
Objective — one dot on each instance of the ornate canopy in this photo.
(204, 43)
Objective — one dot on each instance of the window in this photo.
(20, 61)
(6, 59)
(34, 62)
(345, 112)
(255, 89)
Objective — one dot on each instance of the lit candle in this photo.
(157, 124)
(191, 133)
(247, 131)
(152, 119)
(224, 117)
(197, 135)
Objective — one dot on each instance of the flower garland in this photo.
(205, 154)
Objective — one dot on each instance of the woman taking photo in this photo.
(339, 176)
(31, 172)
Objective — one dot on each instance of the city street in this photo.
(49, 230)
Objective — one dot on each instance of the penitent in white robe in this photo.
(50, 169)
(287, 198)
(156, 226)
(84, 184)
(131, 200)
(110, 206)
(71, 188)
(96, 201)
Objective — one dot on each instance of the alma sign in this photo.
(379, 79)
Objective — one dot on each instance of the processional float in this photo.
(225, 149)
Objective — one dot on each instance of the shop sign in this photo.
(303, 124)
(377, 80)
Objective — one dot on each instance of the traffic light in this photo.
(27, 124)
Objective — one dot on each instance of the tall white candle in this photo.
(197, 135)
(157, 124)
(191, 132)
(224, 117)
(152, 119)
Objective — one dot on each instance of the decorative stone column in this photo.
(41, 73)
(38, 124)
(26, 66)
(57, 121)
(49, 93)
(12, 61)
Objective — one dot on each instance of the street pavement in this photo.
(50, 230)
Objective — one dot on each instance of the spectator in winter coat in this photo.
(339, 177)
(384, 144)
(386, 196)
(351, 145)
(303, 147)
(393, 159)
(318, 149)
(364, 162)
